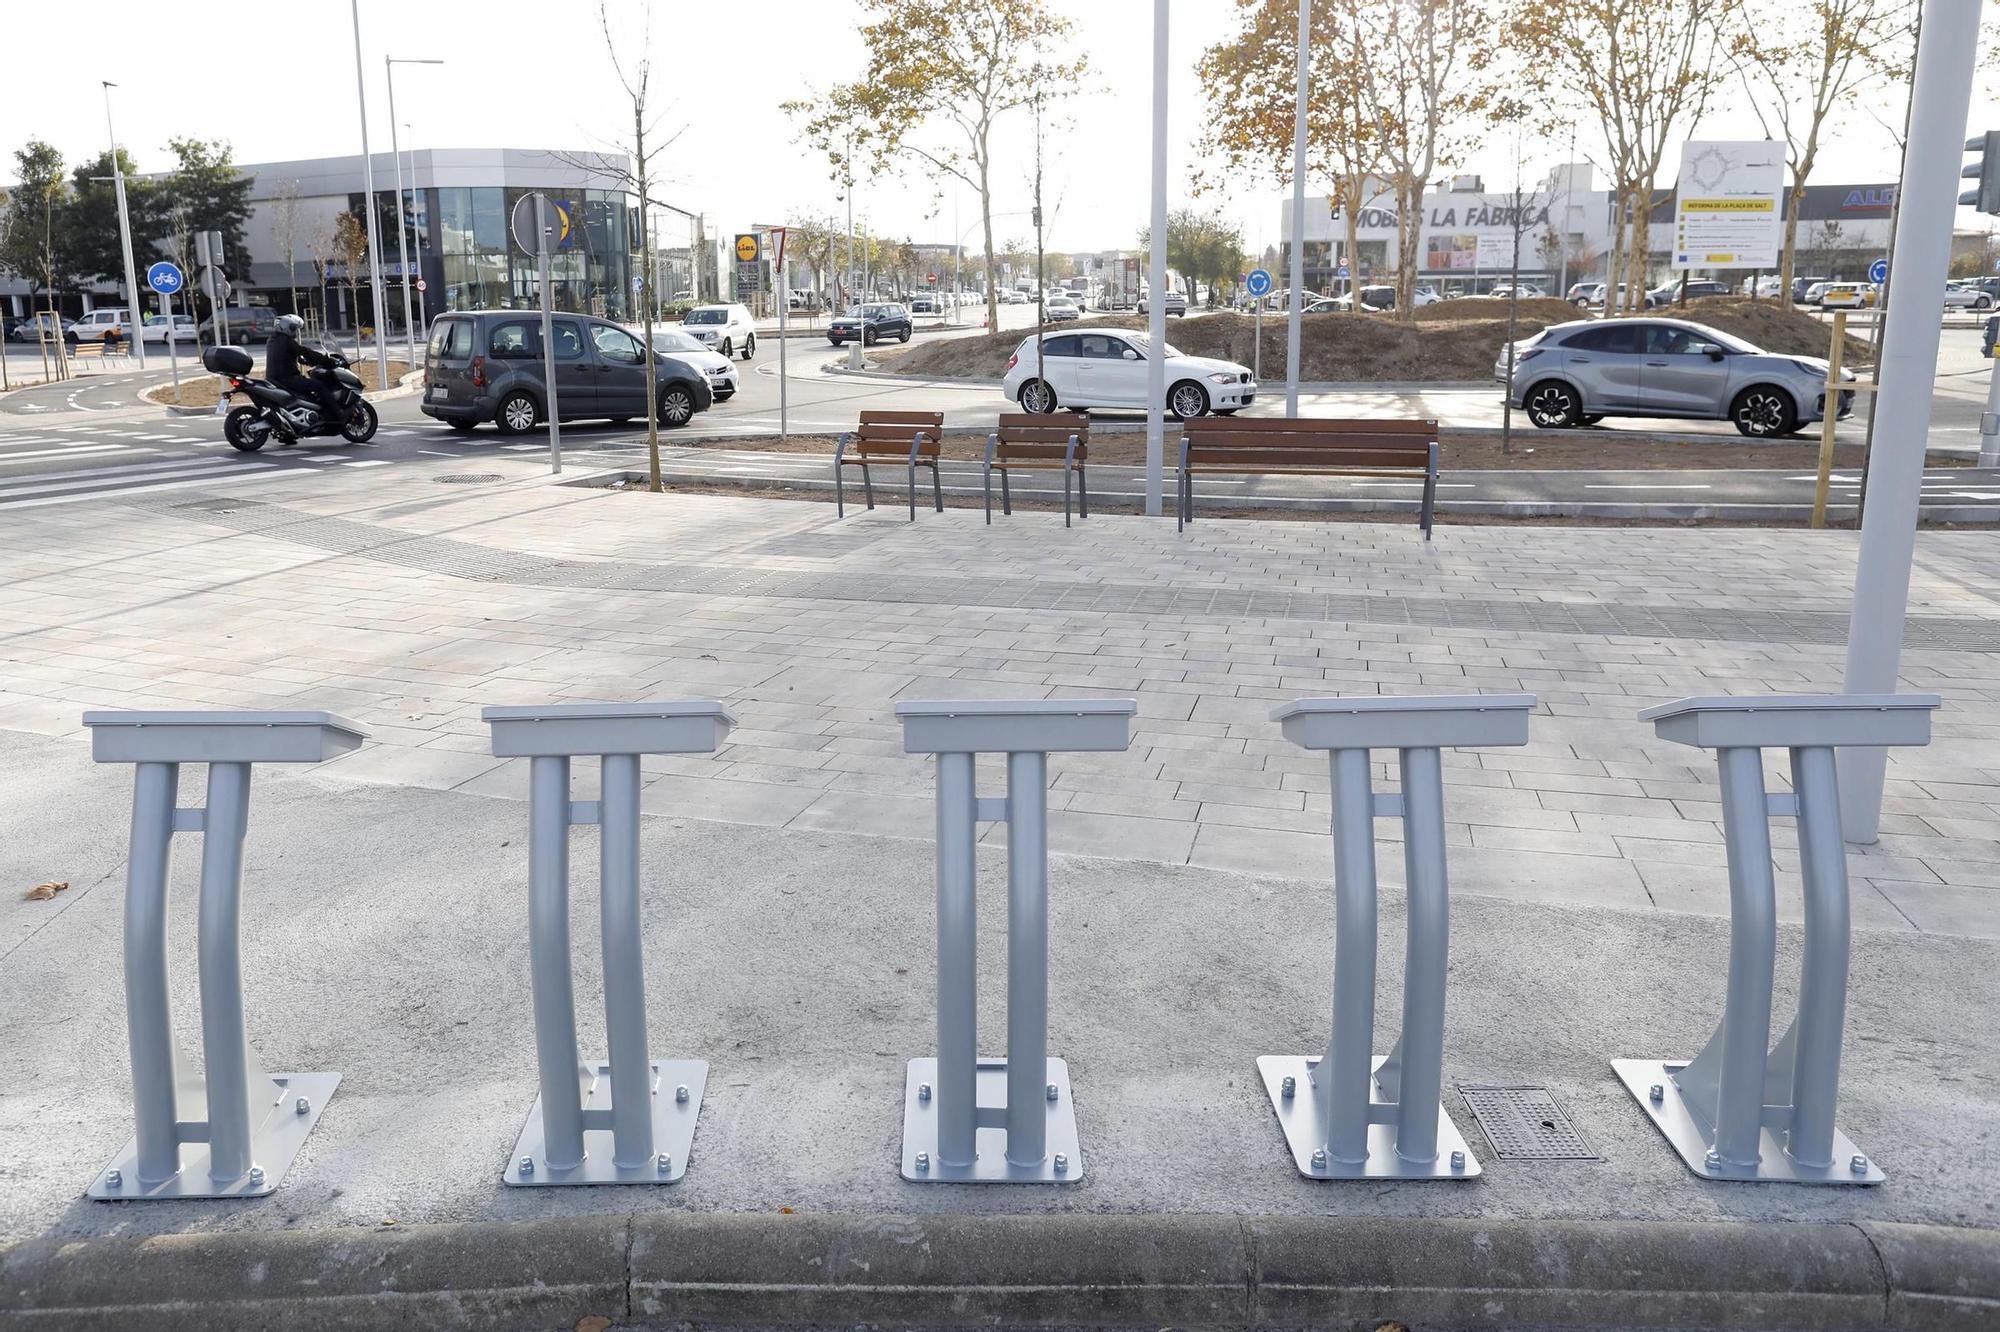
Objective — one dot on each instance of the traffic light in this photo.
(1986, 171)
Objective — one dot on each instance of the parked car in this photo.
(1816, 292)
(727, 329)
(922, 304)
(1802, 285)
(1581, 372)
(868, 324)
(1373, 298)
(1847, 296)
(717, 369)
(1527, 291)
(1108, 368)
(1669, 293)
(96, 325)
(155, 329)
(1173, 303)
(1961, 297)
(37, 325)
(247, 324)
(1062, 309)
(486, 365)
(1766, 287)
(1324, 305)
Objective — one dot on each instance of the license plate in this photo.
(440, 392)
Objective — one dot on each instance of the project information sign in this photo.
(1726, 210)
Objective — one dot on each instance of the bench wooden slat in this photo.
(1261, 459)
(1306, 446)
(1279, 425)
(1008, 453)
(1017, 435)
(933, 419)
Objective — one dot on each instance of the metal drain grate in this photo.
(1526, 1124)
(468, 479)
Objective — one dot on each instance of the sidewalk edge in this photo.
(1065, 1268)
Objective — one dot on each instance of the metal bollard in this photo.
(255, 1122)
(1353, 1114)
(969, 1120)
(1740, 1110)
(631, 1118)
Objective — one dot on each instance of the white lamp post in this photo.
(389, 64)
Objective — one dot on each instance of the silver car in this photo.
(1579, 373)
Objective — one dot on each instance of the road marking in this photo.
(240, 477)
(372, 462)
(433, 453)
(74, 451)
(72, 480)
(1588, 486)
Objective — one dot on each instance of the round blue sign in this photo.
(1258, 283)
(1879, 271)
(164, 278)
(1340, 271)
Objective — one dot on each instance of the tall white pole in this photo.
(1292, 320)
(1156, 275)
(402, 223)
(1920, 254)
(1989, 423)
(132, 305)
(374, 231)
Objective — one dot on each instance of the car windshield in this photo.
(1725, 340)
(667, 339)
(707, 317)
(1145, 343)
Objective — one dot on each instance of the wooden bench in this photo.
(1027, 441)
(1307, 446)
(909, 438)
(99, 351)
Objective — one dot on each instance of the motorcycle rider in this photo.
(282, 355)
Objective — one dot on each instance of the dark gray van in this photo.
(486, 365)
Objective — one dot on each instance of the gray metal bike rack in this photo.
(1740, 1110)
(631, 1118)
(996, 1121)
(1352, 1114)
(232, 1130)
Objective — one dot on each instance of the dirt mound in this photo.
(1452, 341)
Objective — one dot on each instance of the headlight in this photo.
(1220, 378)
(1817, 372)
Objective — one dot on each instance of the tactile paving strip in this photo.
(1526, 1124)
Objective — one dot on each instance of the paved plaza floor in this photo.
(789, 911)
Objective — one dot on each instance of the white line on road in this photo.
(74, 480)
(73, 451)
(1589, 486)
(236, 478)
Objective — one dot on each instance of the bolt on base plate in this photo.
(1302, 1117)
(1692, 1137)
(920, 1129)
(673, 1131)
(274, 1142)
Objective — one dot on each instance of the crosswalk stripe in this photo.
(12, 484)
(234, 478)
(74, 451)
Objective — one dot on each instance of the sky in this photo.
(535, 74)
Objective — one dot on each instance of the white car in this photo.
(717, 369)
(1966, 298)
(1061, 308)
(155, 329)
(96, 323)
(1108, 369)
(727, 329)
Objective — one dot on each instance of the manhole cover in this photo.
(469, 479)
(208, 505)
(1526, 1124)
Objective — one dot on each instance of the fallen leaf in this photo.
(388, 1220)
(42, 892)
(785, 1211)
(594, 1323)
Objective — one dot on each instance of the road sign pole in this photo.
(173, 356)
(1989, 424)
(548, 332)
(784, 299)
(1257, 342)
(1940, 93)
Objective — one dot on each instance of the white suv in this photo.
(94, 325)
(727, 329)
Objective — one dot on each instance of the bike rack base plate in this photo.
(991, 1166)
(274, 1143)
(1689, 1136)
(1302, 1118)
(673, 1132)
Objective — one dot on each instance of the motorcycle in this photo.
(277, 413)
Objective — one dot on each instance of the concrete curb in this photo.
(405, 386)
(1064, 1269)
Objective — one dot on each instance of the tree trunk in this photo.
(652, 380)
(986, 228)
(1615, 261)
(1353, 258)
(1409, 231)
(1788, 260)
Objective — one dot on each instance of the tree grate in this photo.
(468, 478)
(1526, 1124)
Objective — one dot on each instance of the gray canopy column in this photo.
(231, 1131)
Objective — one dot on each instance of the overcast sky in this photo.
(534, 74)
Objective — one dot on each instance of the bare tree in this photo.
(1646, 69)
(286, 223)
(1801, 62)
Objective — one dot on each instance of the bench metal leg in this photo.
(937, 488)
(1082, 492)
(986, 481)
(1420, 1071)
(1006, 495)
(1065, 497)
(1027, 958)
(632, 1090)
(868, 486)
(237, 1089)
(839, 491)
(1823, 983)
(913, 492)
(1347, 1068)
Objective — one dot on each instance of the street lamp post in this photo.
(1156, 272)
(374, 230)
(125, 237)
(1941, 91)
(389, 64)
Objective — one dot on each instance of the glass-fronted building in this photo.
(455, 210)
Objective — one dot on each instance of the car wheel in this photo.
(518, 414)
(244, 430)
(1037, 397)
(835, 341)
(462, 427)
(1553, 405)
(725, 349)
(867, 337)
(1764, 412)
(242, 339)
(749, 346)
(1983, 303)
(676, 407)
(906, 336)
(1187, 400)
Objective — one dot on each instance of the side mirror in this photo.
(1715, 353)
(1131, 355)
